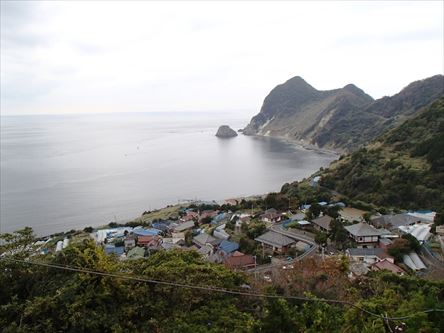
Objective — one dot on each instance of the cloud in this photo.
(176, 56)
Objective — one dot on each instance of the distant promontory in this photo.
(225, 131)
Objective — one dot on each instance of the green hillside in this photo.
(404, 168)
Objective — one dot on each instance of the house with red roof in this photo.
(239, 260)
(387, 265)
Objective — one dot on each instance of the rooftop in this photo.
(323, 222)
(184, 226)
(204, 238)
(228, 246)
(387, 265)
(239, 260)
(275, 239)
(364, 252)
(363, 229)
(394, 221)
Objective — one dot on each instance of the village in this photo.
(263, 242)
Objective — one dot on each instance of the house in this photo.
(352, 214)
(421, 231)
(364, 234)
(162, 226)
(220, 232)
(112, 249)
(227, 247)
(206, 251)
(190, 215)
(129, 242)
(239, 260)
(304, 224)
(322, 223)
(207, 214)
(271, 215)
(387, 265)
(146, 232)
(168, 245)
(221, 218)
(368, 255)
(275, 241)
(413, 261)
(204, 238)
(393, 222)
(184, 226)
(149, 241)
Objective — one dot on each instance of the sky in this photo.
(62, 57)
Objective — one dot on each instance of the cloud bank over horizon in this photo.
(80, 57)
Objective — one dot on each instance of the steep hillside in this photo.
(340, 119)
(403, 168)
(296, 110)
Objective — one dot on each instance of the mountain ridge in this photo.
(340, 119)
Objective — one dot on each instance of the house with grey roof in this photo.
(393, 222)
(184, 226)
(322, 223)
(364, 234)
(204, 238)
(368, 255)
(275, 241)
(271, 215)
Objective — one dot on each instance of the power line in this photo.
(216, 289)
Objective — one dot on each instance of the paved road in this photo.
(294, 234)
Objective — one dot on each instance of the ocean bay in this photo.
(68, 172)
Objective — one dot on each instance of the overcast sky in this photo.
(80, 57)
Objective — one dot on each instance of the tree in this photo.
(338, 234)
(321, 238)
(256, 229)
(315, 209)
(189, 238)
(398, 248)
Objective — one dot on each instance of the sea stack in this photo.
(226, 132)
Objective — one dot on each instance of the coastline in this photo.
(300, 144)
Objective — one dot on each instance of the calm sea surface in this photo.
(66, 172)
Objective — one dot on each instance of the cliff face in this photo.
(340, 119)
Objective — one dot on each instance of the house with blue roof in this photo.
(111, 248)
(160, 226)
(218, 218)
(226, 247)
(147, 232)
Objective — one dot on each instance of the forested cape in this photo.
(403, 168)
(35, 298)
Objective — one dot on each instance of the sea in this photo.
(63, 172)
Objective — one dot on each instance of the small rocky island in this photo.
(225, 131)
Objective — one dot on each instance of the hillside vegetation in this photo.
(404, 168)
